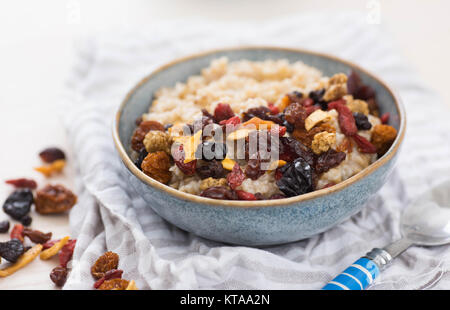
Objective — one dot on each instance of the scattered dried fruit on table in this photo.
(58, 276)
(110, 274)
(51, 154)
(22, 183)
(49, 253)
(26, 220)
(382, 138)
(131, 286)
(114, 285)
(55, 167)
(65, 255)
(104, 263)
(18, 204)
(156, 165)
(54, 199)
(137, 140)
(24, 260)
(11, 250)
(4, 227)
(17, 232)
(220, 192)
(37, 236)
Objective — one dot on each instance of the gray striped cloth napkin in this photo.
(158, 255)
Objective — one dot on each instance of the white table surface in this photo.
(36, 54)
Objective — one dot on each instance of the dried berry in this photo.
(49, 244)
(65, 255)
(297, 178)
(55, 167)
(253, 169)
(37, 236)
(382, 138)
(245, 195)
(11, 250)
(328, 160)
(304, 136)
(210, 169)
(273, 109)
(178, 157)
(52, 154)
(18, 204)
(385, 118)
(295, 96)
(111, 274)
(26, 220)
(17, 232)
(364, 145)
(114, 284)
(208, 150)
(235, 177)
(22, 183)
(358, 89)
(54, 199)
(292, 149)
(104, 263)
(277, 196)
(156, 165)
(142, 154)
(345, 117)
(296, 114)
(222, 112)
(231, 124)
(137, 140)
(262, 144)
(58, 276)
(219, 192)
(362, 122)
(263, 113)
(4, 227)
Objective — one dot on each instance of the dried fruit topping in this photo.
(17, 232)
(54, 249)
(220, 192)
(345, 118)
(358, 89)
(110, 274)
(138, 121)
(4, 227)
(364, 145)
(137, 140)
(273, 109)
(362, 122)
(296, 114)
(323, 141)
(235, 177)
(315, 118)
(211, 182)
(23, 260)
(114, 285)
(292, 149)
(179, 158)
(328, 160)
(11, 250)
(208, 150)
(222, 112)
(156, 140)
(65, 255)
(245, 195)
(156, 165)
(277, 196)
(54, 199)
(22, 183)
(58, 275)
(297, 178)
(231, 123)
(385, 118)
(49, 244)
(263, 113)
(253, 169)
(52, 154)
(317, 95)
(142, 154)
(345, 146)
(26, 220)
(259, 196)
(18, 204)
(382, 138)
(108, 261)
(210, 169)
(37, 236)
(295, 96)
(55, 167)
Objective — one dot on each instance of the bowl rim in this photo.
(259, 203)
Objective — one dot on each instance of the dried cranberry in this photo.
(364, 145)
(328, 160)
(362, 122)
(17, 232)
(235, 177)
(49, 244)
(210, 169)
(222, 112)
(307, 102)
(277, 196)
(385, 118)
(296, 114)
(345, 117)
(253, 169)
(186, 168)
(11, 250)
(37, 236)
(18, 204)
(51, 154)
(110, 274)
(209, 150)
(22, 183)
(297, 178)
(245, 195)
(329, 185)
(4, 227)
(219, 192)
(142, 154)
(58, 276)
(26, 220)
(65, 255)
(273, 109)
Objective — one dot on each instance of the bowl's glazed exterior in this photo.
(255, 223)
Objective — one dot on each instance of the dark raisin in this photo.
(11, 250)
(263, 113)
(209, 150)
(137, 140)
(207, 114)
(51, 154)
(4, 227)
(219, 192)
(142, 154)
(201, 123)
(22, 183)
(296, 114)
(210, 169)
(292, 149)
(362, 122)
(179, 156)
(259, 196)
(54, 199)
(26, 220)
(18, 204)
(297, 178)
(37, 236)
(222, 112)
(253, 169)
(289, 127)
(59, 276)
(328, 160)
(358, 89)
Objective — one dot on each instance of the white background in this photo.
(36, 40)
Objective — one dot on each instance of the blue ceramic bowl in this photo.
(255, 223)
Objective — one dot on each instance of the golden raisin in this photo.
(114, 285)
(156, 165)
(54, 199)
(382, 137)
(104, 263)
(137, 140)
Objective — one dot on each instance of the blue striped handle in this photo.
(356, 277)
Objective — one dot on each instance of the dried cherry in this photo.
(385, 118)
(273, 109)
(104, 263)
(210, 169)
(362, 122)
(292, 149)
(37, 236)
(219, 192)
(17, 232)
(18, 204)
(364, 145)
(235, 177)
(297, 178)
(245, 195)
(4, 227)
(178, 157)
(11, 250)
(58, 275)
(222, 112)
(110, 274)
(54, 199)
(52, 154)
(22, 183)
(156, 165)
(137, 140)
(26, 220)
(345, 117)
(65, 255)
(328, 160)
